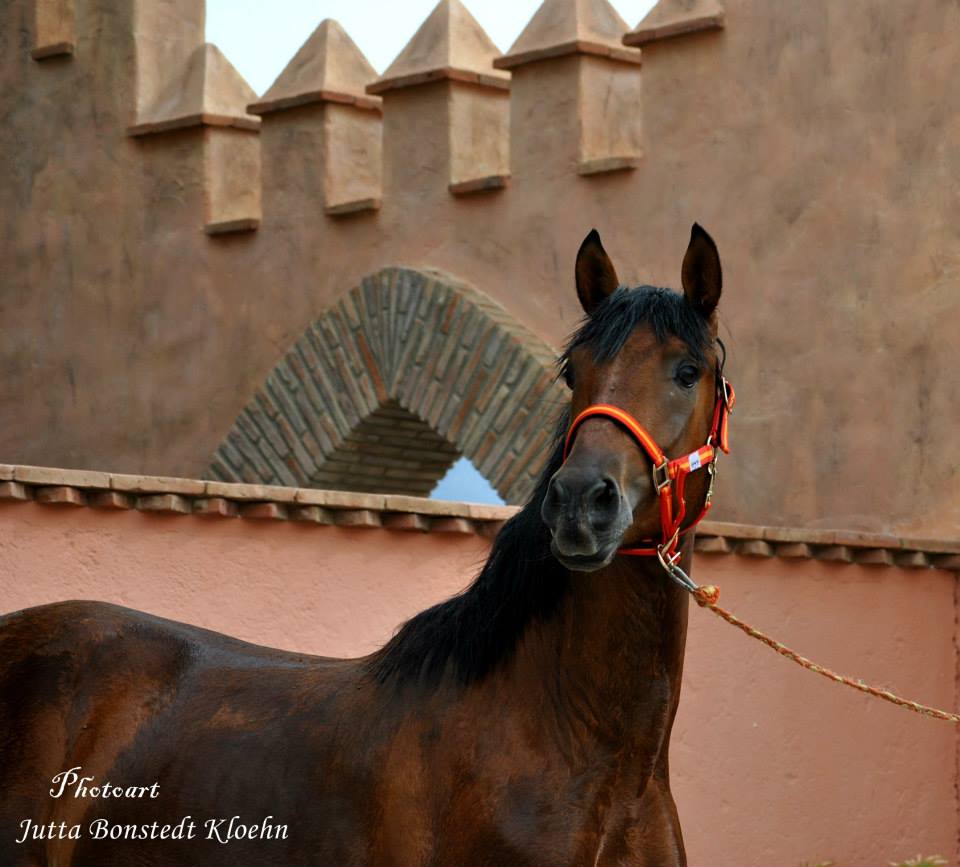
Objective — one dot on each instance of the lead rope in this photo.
(707, 596)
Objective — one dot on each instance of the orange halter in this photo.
(668, 472)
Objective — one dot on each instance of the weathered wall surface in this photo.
(813, 140)
(771, 765)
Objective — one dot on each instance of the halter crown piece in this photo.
(668, 473)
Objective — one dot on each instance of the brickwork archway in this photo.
(390, 385)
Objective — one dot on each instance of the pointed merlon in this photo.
(329, 67)
(209, 90)
(670, 18)
(450, 44)
(561, 27)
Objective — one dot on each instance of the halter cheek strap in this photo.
(669, 473)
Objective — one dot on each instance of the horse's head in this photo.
(654, 354)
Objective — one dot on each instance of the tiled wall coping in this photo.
(160, 494)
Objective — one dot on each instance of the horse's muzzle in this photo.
(587, 514)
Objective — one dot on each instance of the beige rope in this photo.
(707, 596)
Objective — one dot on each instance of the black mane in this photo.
(474, 630)
(521, 582)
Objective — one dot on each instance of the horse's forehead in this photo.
(643, 340)
(642, 346)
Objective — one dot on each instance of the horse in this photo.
(525, 721)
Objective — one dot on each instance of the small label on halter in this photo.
(694, 459)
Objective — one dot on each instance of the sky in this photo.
(261, 36)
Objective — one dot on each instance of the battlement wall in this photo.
(172, 235)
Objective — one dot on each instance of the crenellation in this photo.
(563, 49)
(321, 132)
(610, 115)
(352, 160)
(54, 33)
(232, 180)
(575, 104)
(207, 93)
(563, 27)
(480, 185)
(480, 140)
(605, 165)
(673, 18)
(231, 227)
(449, 45)
(446, 109)
(328, 67)
(206, 90)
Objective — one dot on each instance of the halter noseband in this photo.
(668, 472)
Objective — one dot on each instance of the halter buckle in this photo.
(669, 563)
(664, 468)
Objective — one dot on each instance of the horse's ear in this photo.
(596, 276)
(701, 274)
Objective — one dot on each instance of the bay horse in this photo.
(525, 721)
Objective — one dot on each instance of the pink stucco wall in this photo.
(770, 764)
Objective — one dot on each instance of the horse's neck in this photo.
(609, 663)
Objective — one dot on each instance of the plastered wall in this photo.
(811, 139)
(770, 764)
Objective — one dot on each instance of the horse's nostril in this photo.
(602, 491)
(603, 502)
(609, 493)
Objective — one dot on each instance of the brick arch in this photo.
(390, 385)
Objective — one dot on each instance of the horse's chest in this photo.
(543, 818)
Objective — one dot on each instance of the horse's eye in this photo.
(687, 375)
(568, 376)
